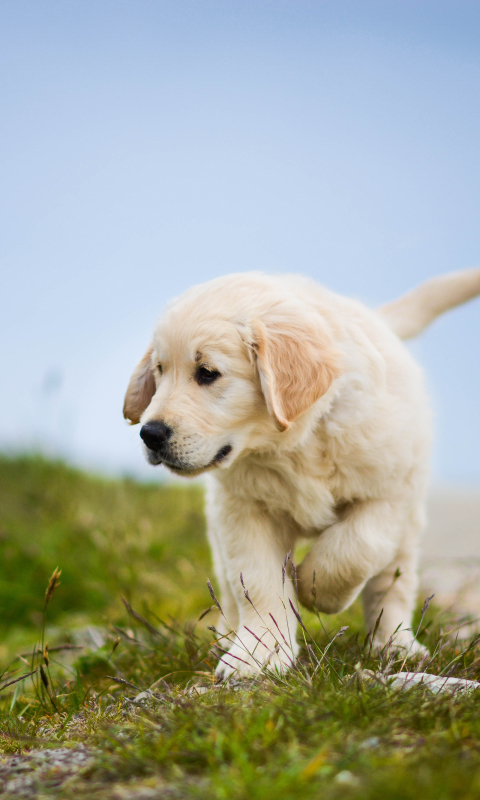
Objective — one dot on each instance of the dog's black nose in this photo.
(155, 434)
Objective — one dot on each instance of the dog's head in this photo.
(232, 367)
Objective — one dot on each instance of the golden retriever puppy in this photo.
(311, 419)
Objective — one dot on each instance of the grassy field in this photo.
(123, 703)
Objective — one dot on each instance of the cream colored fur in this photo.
(328, 422)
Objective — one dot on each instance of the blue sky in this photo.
(149, 145)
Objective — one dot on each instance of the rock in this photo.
(436, 683)
(346, 778)
(22, 775)
(143, 698)
(407, 680)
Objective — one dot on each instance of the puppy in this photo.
(311, 419)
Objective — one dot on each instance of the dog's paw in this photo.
(248, 657)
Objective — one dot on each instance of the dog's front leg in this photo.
(252, 554)
(349, 553)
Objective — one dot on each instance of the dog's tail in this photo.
(412, 312)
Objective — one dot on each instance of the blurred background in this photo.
(149, 145)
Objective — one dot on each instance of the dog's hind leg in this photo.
(389, 597)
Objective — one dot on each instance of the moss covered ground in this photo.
(123, 702)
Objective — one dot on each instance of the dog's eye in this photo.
(160, 370)
(206, 376)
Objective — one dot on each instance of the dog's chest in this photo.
(288, 486)
(310, 483)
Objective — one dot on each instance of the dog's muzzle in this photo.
(156, 436)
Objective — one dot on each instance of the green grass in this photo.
(314, 733)
(109, 538)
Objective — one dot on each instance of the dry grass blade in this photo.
(44, 678)
(204, 613)
(123, 682)
(55, 649)
(138, 617)
(278, 629)
(295, 577)
(53, 584)
(212, 593)
(247, 596)
(16, 680)
(298, 616)
(127, 636)
(256, 637)
(284, 567)
(374, 632)
(231, 655)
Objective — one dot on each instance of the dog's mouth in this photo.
(181, 468)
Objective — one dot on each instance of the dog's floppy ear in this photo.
(296, 363)
(140, 389)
